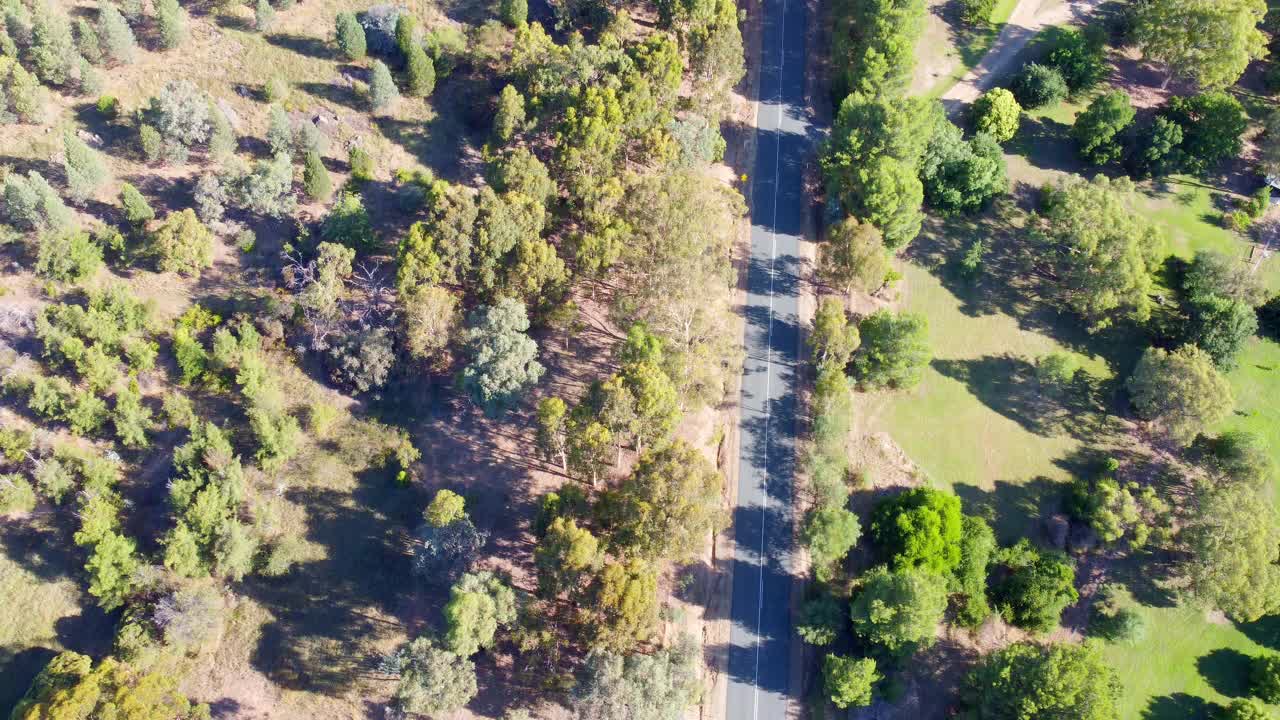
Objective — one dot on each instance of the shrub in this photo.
(977, 12)
(1245, 709)
(348, 223)
(83, 166)
(276, 89)
(68, 256)
(30, 203)
(998, 114)
(1036, 588)
(87, 41)
(150, 142)
(1116, 619)
(821, 620)
(181, 114)
(513, 12)
(210, 196)
(1027, 680)
(1039, 86)
(977, 545)
(854, 257)
(16, 495)
(421, 72)
(279, 131)
(849, 681)
(1056, 371)
(830, 533)
(136, 208)
(361, 163)
(263, 16)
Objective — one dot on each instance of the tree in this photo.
(1209, 41)
(279, 130)
(420, 72)
(1245, 709)
(1039, 86)
(535, 274)
(191, 616)
(350, 36)
(70, 687)
(51, 50)
(658, 686)
(854, 257)
(565, 556)
(446, 508)
(977, 545)
(1036, 587)
(1220, 326)
(182, 244)
(431, 319)
(347, 223)
(997, 114)
(131, 417)
(24, 96)
(84, 168)
(31, 204)
(1234, 543)
(1078, 55)
(180, 115)
(1100, 252)
(894, 350)
(625, 600)
(669, 506)
(899, 609)
(977, 12)
(552, 438)
(315, 178)
(1264, 678)
(136, 208)
(873, 45)
(849, 681)
(961, 175)
(821, 620)
(1180, 391)
(1026, 681)
(432, 680)
(1212, 126)
(111, 568)
(830, 533)
(503, 359)
(834, 339)
(513, 13)
(172, 21)
(118, 43)
(479, 603)
(510, 114)
(442, 551)
(68, 256)
(1098, 129)
(1157, 150)
(1215, 273)
(382, 89)
(920, 528)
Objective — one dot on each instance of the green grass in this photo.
(1256, 383)
(972, 44)
(1183, 661)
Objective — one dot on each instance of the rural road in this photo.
(759, 653)
(1028, 18)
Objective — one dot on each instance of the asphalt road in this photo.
(759, 658)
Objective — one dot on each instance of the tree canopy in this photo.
(1027, 681)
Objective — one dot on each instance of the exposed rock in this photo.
(1058, 526)
(232, 116)
(89, 138)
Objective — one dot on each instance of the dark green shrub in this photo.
(1039, 86)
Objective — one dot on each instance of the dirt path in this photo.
(1027, 19)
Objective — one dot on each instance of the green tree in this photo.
(263, 16)
(347, 223)
(1079, 56)
(51, 50)
(111, 568)
(834, 339)
(1264, 678)
(566, 555)
(977, 546)
(83, 166)
(479, 604)
(182, 244)
(894, 350)
(1215, 273)
(68, 256)
(513, 12)
(1027, 681)
(1212, 123)
(669, 506)
(1233, 540)
(431, 319)
(1220, 326)
(1245, 709)
(420, 72)
(350, 36)
(849, 681)
(830, 533)
(503, 359)
(432, 680)
(279, 130)
(1180, 391)
(625, 600)
(1209, 41)
(1100, 251)
(854, 257)
(87, 42)
(1157, 149)
(960, 175)
(25, 98)
(920, 528)
(446, 508)
(657, 686)
(899, 609)
(1037, 585)
(510, 114)
(136, 208)
(31, 204)
(552, 429)
(171, 19)
(131, 417)
(315, 177)
(873, 45)
(1039, 86)
(382, 89)
(821, 620)
(1097, 130)
(997, 114)
(118, 43)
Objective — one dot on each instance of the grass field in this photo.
(964, 47)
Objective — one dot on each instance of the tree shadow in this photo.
(17, 669)
(306, 45)
(1265, 631)
(345, 95)
(1178, 706)
(1046, 144)
(1227, 671)
(1014, 509)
